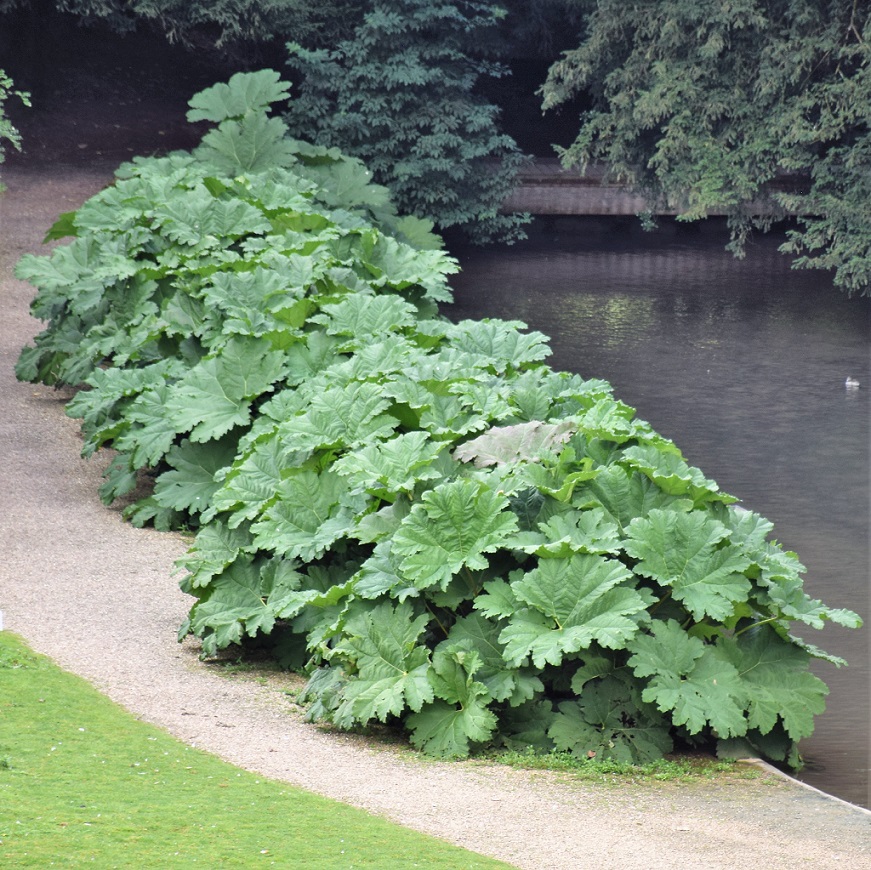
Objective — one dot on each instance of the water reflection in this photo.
(743, 364)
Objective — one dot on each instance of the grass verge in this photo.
(683, 769)
(82, 782)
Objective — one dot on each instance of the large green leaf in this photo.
(375, 361)
(747, 529)
(332, 604)
(344, 182)
(245, 600)
(196, 218)
(500, 342)
(590, 531)
(776, 681)
(361, 317)
(779, 587)
(110, 385)
(593, 667)
(686, 554)
(400, 266)
(560, 479)
(215, 547)
(459, 716)
(525, 728)
(70, 273)
(447, 416)
(692, 681)
(243, 93)
(306, 360)
(611, 420)
(118, 479)
(249, 299)
(254, 480)
(487, 395)
(668, 470)
(190, 484)
(114, 209)
(475, 632)
(626, 495)
(254, 143)
(379, 576)
(570, 604)
(381, 524)
(180, 216)
(392, 667)
(216, 395)
(498, 600)
(152, 431)
(453, 527)
(340, 417)
(533, 394)
(185, 315)
(307, 517)
(393, 466)
(609, 723)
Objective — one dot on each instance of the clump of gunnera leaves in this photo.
(444, 533)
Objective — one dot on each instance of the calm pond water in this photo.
(743, 364)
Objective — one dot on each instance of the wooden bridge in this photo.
(547, 188)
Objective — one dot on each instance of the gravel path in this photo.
(98, 596)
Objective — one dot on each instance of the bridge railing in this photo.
(546, 188)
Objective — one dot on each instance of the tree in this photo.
(205, 23)
(8, 132)
(703, 104)
(400, 95)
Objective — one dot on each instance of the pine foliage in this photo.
(701, 105)
(400, 95)
(220, 24)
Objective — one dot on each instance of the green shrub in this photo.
(7, 130)
(715, 107)
(447, 534)
(400, 94)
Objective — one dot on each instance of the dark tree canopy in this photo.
(756, 107)
(701, 104)
(207, 24)
(400, 95)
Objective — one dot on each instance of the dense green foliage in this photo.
(703, 104)
(446, 533)
(393, 82)
(400, 95)
(207, 24)
(170, 264)
(755, 107)
(8, 133)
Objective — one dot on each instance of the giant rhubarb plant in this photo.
(446, 534)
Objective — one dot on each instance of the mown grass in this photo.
(83, 783)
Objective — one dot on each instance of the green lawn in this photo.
(83, 783)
